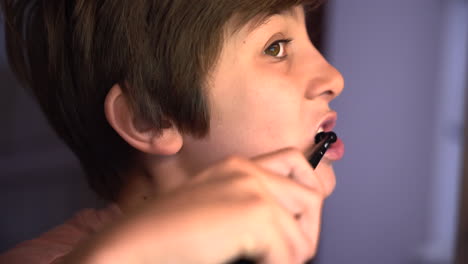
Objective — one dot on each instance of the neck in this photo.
(145, 182)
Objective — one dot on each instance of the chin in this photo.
(327, 174)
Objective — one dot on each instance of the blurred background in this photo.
(401, 116)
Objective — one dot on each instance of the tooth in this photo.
(320, 130)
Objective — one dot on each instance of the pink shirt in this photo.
(59, 241)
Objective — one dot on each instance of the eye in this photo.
(278, 49)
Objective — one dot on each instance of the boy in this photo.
(194, 119)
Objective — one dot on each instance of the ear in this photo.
(136, 132)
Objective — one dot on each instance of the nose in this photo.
(326, 81)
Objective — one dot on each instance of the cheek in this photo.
(260, 106)
(260, 109)
(254, 99)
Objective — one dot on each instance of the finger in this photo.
(293, 164)
(304, 204)
(303, 200)
(310, 222)
(297, 199)
(289, 244)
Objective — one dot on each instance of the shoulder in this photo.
(62, 239)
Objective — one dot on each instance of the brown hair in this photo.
(70, 53)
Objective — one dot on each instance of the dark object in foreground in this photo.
(323, 140)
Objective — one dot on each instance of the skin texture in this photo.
(246, 188)
(260, 103)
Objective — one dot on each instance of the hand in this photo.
(267, 208)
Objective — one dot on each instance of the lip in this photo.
(328, 122)
(336, 151)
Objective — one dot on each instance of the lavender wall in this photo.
(389, 53)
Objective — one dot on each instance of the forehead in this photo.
(236, 25)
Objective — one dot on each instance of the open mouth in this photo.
(328, 124)
(336, 150)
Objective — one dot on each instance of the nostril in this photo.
(329, 95)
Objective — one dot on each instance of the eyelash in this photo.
(282, 43)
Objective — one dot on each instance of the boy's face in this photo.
(266, 96)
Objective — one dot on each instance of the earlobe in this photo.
(136, 132)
